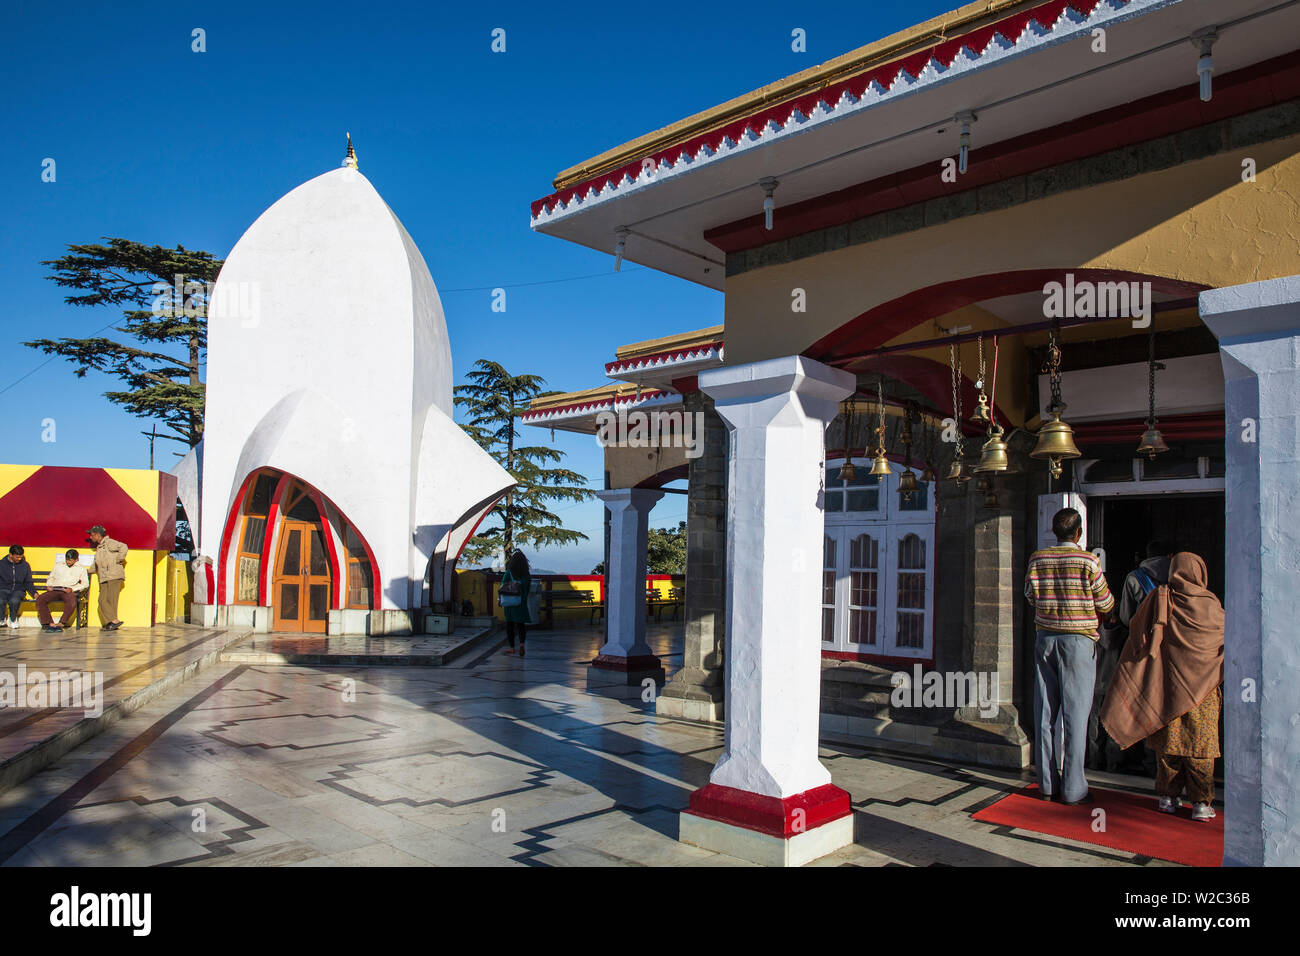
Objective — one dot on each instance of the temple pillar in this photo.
(1258, 328)
(696, 689)
(626, 659)
(769, 799)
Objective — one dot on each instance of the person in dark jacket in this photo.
(15, 582)
(517, 618)
(1141, 581)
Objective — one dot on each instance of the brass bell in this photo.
(981, 414)
(880, 464)
(1153, 443)
(907, 482)
(927, 474)
(848, 472)
(959, 472)
(993, 457)
(1055, 439)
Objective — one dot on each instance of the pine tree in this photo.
(169, 288)
(494, 399)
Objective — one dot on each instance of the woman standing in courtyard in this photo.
(1167, 685)
(515, 585)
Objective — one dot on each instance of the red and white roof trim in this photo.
(710, 352)
(1048, 23)
(650, 398)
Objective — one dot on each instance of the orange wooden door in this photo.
(301, 584)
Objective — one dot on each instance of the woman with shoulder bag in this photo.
(513, 595)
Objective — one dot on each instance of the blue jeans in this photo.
(10, 601)
(1065, 668)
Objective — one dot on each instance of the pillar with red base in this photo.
(626, 659)
(769, 799)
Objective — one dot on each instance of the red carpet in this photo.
(1132, 823)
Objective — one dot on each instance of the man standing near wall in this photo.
(110, 561)
(1068, 591)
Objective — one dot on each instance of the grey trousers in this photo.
(1065, 668)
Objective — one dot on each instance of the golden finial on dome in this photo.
(351, 158)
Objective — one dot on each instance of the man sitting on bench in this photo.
(66, 583)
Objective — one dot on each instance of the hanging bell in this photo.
(990, 495)
(927, 474)
(981, 414)
(880, 464)
(1152, 443)
(849, 472)
(1055, 439)
(959, 472)
(993, 457)
(907, 482)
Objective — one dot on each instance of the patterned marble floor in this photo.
(492, 761)
(129, 660)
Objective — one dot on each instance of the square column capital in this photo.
(817, 387)
(638, 499)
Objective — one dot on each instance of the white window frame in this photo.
(888, 525)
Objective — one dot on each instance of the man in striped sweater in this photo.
(1069, 593)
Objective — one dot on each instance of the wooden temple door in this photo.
(302, 580)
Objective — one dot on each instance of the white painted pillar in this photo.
(1258, 328)
(626, 652)
(769, 799)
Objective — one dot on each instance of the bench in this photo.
(655, 603)
(578, 598)
(82, 618)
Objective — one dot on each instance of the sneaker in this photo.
(510, 650)
(1168, 805)
(1203, 811)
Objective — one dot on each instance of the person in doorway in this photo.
(515, 584)
(1167, 687)
(1069, 594)
(15, 583)
(1140, 582)
(110, 567)
(66, 583)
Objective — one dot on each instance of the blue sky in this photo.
(159, 144)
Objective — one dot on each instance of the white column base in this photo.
(763, 848)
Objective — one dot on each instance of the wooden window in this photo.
(360, 574)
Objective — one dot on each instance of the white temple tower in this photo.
(334, 482)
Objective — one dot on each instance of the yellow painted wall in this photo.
(1196, 222)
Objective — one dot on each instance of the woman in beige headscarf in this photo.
(1167, 685)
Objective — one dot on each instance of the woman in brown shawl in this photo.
(1166, 686)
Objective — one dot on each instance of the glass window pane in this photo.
(863, 499)
(292, 563)
(318, 602)
(289, 602)
(911, 552)
(862, 626)
(1217, 468)
(1166, 468)
(254, 535)
(911, 591)
(834, 501)
(319, 564)
(1110, 469)
(918, 500)
(259, 502)
(911, 629)
(359, 584)
(828, 625)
